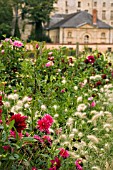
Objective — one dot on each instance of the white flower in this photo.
(80, 134)
(71, 136)
(79, 99)
(25, 99)
(69, 121)
(74, 130)
(26, 105)
(93, 138)
(85, 81)
(56, 115)
(10, 97)
(43, 107)
(20, 103)
(75, 88)
(7, 104)
(97, 77)
(63, 81)
(55, 107)
(92, 77)
(63, 136)
(15, 96)
(81, 107)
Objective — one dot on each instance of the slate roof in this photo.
(78, 19)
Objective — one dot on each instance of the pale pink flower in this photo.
(2, 51)
(90, 98)
(49, 64)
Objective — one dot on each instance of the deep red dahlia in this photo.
(56, 163)
(104, 76)
(0, 97)
(91, 59)
(20, 123)
(1, 103)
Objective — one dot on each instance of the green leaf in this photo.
(11, 124)
(29, 139)
(11, 158)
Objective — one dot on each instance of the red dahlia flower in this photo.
(63, 153)
(1, 103)
(20, 123)
(45, 123)
(55, 164)
(90, 59)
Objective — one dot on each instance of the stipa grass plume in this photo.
(93, 138)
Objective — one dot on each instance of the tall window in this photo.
(111, 15)
(66, 11)
(103, 14)
(66, 3)
(104, 4)
(103, 35)
(95, 4)
(86, 39)
(79, 4)
(111, 4)
(69, 34)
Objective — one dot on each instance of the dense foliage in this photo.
(6, 17)
(55, 110)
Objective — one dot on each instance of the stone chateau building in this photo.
(80, 27)
(104, 8)
(83, 21)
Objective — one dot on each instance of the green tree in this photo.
(16, 6)
(6, 17)
(39, 13)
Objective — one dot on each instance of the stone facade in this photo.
(104, 8)
(84, 34)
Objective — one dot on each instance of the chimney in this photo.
(94, 17)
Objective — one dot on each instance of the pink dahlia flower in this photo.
(78, 164)
(17, 44)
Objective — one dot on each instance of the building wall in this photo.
(73, 35)
(71, 6)
(99, 47)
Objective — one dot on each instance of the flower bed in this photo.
(55, 110)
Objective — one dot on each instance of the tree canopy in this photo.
(39, 13)
(6, 17)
